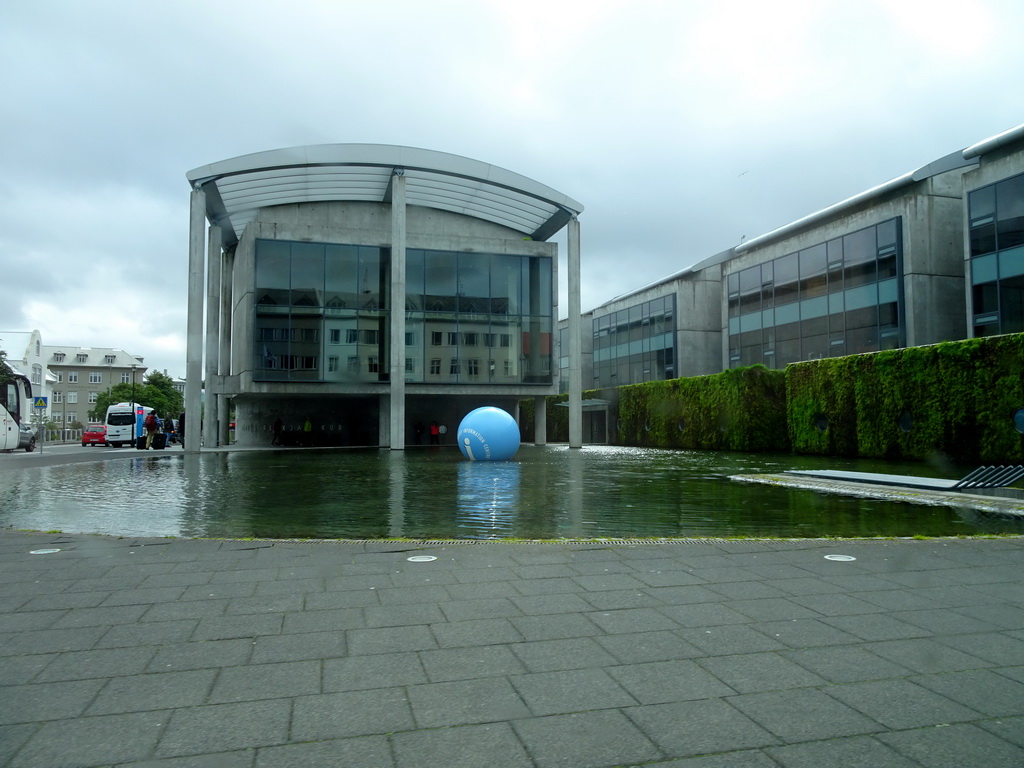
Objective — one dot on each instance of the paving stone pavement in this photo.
(168, 653)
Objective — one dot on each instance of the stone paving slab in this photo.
(170, 653)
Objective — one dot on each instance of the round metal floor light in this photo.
(421, 558)
(43, 551)
(841, 558)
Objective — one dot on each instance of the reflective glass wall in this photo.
(996, 215)
(840, 297)
(323, 314)
(635, 344)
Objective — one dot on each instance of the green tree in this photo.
(5, 369)
(156, 392)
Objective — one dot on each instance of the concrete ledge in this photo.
(1008, 507)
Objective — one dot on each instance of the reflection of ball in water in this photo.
(488, 434)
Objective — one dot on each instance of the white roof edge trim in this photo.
(380, 155)
(994, 142)
(824, 213)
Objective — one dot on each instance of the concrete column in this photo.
(540, 418)
(211, 424)
(194, 337)
(397, 306)
(224, 341)
(575, 341)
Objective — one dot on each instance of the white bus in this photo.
(124, 423)
(15, 402)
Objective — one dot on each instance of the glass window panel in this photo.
(982, 202)
(1011, 263)
(307, 275)
(984, 269)
(750, 322)
(888, 315)
(811, 308)
(888, 291)
(1010, 213)
(859, 340)
(790, 313)
(373, 279)
(786, 279)
(341, 264)
(272, 272)
(815, 347)
(536, 285)
(887, 267)
(983, 238)
(787, 351)
(1011, 305)
(812, 271)
(814, 327)
(835, 279)
(862, 318)
(859, 246)
(734, 325)
(474, 282)
(440, 280)
(506, 286)
(985, 298)
(886, 233)
(414, 277)
(834, 251)
(835, 303)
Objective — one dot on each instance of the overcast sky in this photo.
(682, 127)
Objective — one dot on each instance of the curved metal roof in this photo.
(237, 188)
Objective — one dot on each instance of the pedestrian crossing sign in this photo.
(40, 402)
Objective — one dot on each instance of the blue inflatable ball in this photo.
(488, 434)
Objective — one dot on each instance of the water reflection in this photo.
(546, 492)
(488, 498)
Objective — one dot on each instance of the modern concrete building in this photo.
(933, 255)
(360, 293)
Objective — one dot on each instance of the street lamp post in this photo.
(135, 417)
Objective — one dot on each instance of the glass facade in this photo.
(996, 214)
(322, 313)
(635, 344)
(840, 297)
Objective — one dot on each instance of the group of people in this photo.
(435, 433)
(154, 425)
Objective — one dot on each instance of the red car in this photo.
(94, 434)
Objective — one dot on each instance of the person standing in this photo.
(151, 424)
(435, 433)
(278, 426)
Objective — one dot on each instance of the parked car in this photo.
(94, 434)
(27, 438)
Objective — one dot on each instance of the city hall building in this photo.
(360, 294)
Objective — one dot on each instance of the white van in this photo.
(124, 423)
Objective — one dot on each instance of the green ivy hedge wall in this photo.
(957, 399)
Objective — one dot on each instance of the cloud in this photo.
(681, 126)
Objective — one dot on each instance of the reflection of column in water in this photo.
(488, 498)
(574, 487)
(397, 467)
(193, 520)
